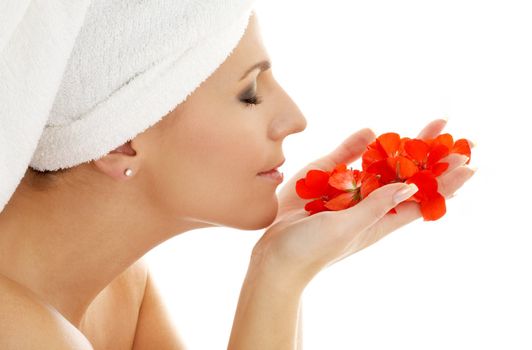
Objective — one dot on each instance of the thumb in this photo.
(379, 202)
(348, 151)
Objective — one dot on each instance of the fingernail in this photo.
(473, 144)
(404, 193)
(473, 167)
(463, 159)
(445, 118)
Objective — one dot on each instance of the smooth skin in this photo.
(65, 241)
(71, 247)
(296, 247)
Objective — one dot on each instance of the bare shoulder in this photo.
(132, 282)
(137, 273)
(27, 323)
(155, 327)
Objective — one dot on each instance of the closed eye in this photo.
(251, 101)
(250, 97)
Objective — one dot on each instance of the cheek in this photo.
(213, 177)
(233, 151)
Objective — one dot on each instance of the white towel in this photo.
(131, 64)
(36, 39)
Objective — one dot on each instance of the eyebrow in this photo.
(263, 65)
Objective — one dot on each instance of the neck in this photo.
(68, 246)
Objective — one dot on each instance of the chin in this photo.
(259, 218)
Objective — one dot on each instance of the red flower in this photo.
(388, 159)
(460, 146)
(356, 184)
(316, 186)
(432, 203)
(427, 157)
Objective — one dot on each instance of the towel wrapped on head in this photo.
(80, 78)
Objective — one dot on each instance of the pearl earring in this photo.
(128, 172)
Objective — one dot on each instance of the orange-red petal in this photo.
(342, 180)
(332, 192)
(370, 182)
(436, 153)
(433, 208)
(315, 206)
(314, 185)
(462, 146)
(390, 143)
(317, 179)
(439, 168)
(382, 168)
(444, 139)
(370, 156)
(340, 167)
(417, 150)
(340, 202)
(402, 143)
(305, 192)
(405, 168)
(426, 183)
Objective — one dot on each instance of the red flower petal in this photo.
(315, 206)
(439, 168)
(339, 168)
(340, 202)
(462, 146)
(342, 180)
(370, 156)
(390, 143)
(437, 152)
(417, 150)
(444, 139)
(370, 182)
(402, 144)
(382, 169)
(426, 183)
(304, 191)
(433, 208)
(332, 192)
(317, 179)
(405, 168)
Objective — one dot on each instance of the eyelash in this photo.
(251, 101)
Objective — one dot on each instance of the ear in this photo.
(117, 161)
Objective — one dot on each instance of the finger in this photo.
(449, 182)
(455, 160)
(408, 212)
(372, 208)
(433, 129)
(348, 151)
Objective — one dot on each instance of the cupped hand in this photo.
(302, 245)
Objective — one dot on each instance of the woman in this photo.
(71, 241)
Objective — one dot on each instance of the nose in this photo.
(290, 119)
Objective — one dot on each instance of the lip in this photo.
(274, 168)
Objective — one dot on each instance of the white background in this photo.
(462, 282)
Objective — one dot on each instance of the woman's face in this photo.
(203, 158)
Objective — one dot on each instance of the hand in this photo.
(301, 245)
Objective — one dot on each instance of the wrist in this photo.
(269, 271)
